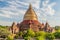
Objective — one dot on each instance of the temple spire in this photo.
(30, 14)
(30, 6)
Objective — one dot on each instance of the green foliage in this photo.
(29, 33)
(16, 36)
(4, 32)
(50, 36)
(10, 36)
(27, 38)
(57, 34)
(20, 33)
(57, 28)
(5, 27)
(40, 33)
(40, 38)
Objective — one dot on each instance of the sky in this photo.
(14, 10)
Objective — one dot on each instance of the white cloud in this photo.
(48, 7)
(5, 15)
(45, 3)
(16, 8)
(5, 23)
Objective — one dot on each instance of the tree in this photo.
(57, 34)
(16, 36)
(40, 35)
(50, 36)
(29, 34)
(27, 38)
(19, 35)
(4, 32)
(40, 38)
(10, 37)
(57, 28)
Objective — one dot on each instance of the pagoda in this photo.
(30, 21)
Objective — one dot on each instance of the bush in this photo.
(40, 38)
(10, 37)
(57, 35)
(27, 38)
(50, 36)
(29, 33)
(16, 36)
(40, 33)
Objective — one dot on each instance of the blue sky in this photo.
(14, 10)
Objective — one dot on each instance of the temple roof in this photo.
(30, 14)
(47, 25)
